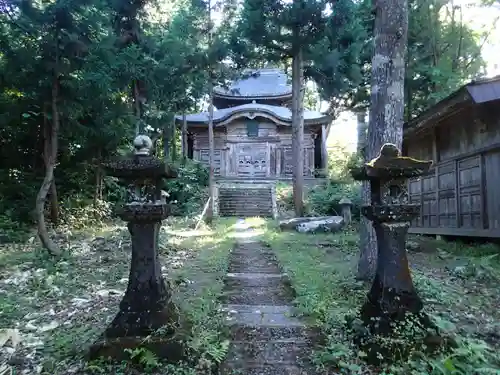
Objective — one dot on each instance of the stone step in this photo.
(235, 368)
(277, 295)
(254, 268)
(257, 316)
(238, 256)
(245, 213)
(286, 351)
(245, 197)
(243, 193)
(237, 260)
(269, 333)
(245, 201)
(249, 280)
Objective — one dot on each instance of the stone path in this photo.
(266, 340)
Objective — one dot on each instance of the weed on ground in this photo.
(52, 310)
(458, 284)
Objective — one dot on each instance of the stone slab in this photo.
(268, 333)
(270, 295)
(236, 368)
(251, 280)
(286, 351)
(261, 316)
(256, 267)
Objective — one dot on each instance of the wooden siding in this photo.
(267, 155)
(461, 194)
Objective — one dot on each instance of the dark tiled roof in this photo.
(478, 91)
(282, 113)
(258, 84)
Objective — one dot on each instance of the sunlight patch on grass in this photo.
(61, 306)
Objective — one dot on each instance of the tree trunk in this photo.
(54, 203)
(173, 139)
(184, 136)
(98, 179)
(47, 141)
(137, 107)
(211, 176)
(367, 263)
(166, 142)
(387, 103)
(298, 132)
(49, 175)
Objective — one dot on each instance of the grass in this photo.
(458, 283)
(58, 308)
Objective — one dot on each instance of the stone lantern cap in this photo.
(143, 212)
(390, 165)
(140, 165)
(345, 202)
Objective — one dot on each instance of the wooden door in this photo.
(252, 160)
(491, 165)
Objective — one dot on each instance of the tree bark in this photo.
(47, 141)
(367, 263)
(211, 175)
(137, 107)
(98, 179)
(173, 140)
(387, 104)
(298, 132)
(184, 136)
(54, 203)
(43, 233)
(166, 142)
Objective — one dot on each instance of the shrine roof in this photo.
(260, 83)
(476, 92)
(283, 115)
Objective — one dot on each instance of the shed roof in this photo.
(475, 92)
(282, 114)
(260, 83)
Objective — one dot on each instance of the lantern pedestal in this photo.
(392, 300)
(147, 317)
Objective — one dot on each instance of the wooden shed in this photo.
(460, 196)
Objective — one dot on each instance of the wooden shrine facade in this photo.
(253, 130)
(460, 196)
(257, 148)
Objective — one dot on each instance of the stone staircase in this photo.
(265, 338)
(246, 199)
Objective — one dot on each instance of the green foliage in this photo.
(90, 43)
(147, 359)
(324, 199)
(79, 213)
(443, 53)
(188, 191)
(321, 268)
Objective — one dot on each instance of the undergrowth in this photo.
(321, 268)
(60, 307)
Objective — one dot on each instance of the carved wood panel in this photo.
(252, 160)
(204, 157)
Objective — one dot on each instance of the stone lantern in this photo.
(146, 308)
(392, 294)
(345, 206)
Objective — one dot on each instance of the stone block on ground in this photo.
(331, 224)
(291, 224)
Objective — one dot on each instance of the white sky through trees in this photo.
(485, 20)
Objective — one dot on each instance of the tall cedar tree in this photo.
(282, 30)
(387, 98)
(443, 54)
(62, 42)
